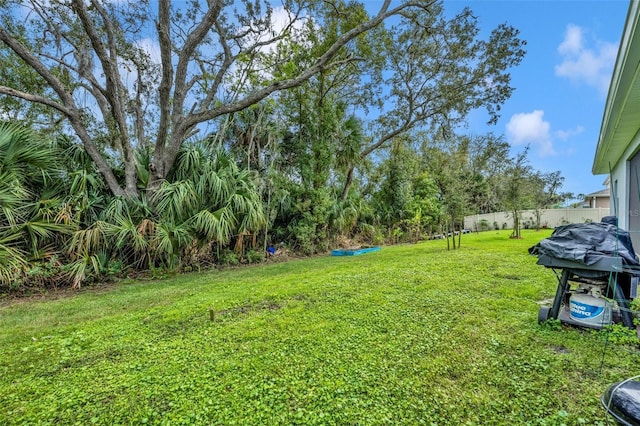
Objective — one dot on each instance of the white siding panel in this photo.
(550, 217)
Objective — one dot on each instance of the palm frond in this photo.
(88, 240)
(189, 161)
(37, 234)
(75, 154)
(169, 240)
(214, 226)
(82, 181)
(251, 215)
(79, 268)
(126, 234)
(146, 228)
(12, 259)
(12, 196)
(48, 209)
(117, 207)
(143, 162)
(213, 188)
(65, 215)
(140, 207)
(20, 148)
(176, 201)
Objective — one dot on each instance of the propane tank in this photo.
(590, 308)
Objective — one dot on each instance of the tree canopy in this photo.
(129, 75)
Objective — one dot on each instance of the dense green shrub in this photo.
(228, 258)
(254, 256)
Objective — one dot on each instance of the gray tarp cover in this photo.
(587, 243)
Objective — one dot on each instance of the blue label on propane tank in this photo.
(584, 311)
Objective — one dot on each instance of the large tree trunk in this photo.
(347, 184)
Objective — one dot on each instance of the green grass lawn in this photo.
(411, 334)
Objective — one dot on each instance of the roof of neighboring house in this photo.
(601, 193)
(621, 119)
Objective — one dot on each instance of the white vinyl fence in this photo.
(550, 218)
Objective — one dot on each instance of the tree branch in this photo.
(69, 107)
(190, 44)
(226, 64)
(38, 66)
(34, 98)
(320, 64)
(94, 88)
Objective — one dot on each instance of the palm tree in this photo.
(207, 199)
(212, 194)
(30, 207)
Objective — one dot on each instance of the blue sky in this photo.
(562, 83)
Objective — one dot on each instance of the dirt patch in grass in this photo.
(508, 276)
(560, 349)
(264, 305)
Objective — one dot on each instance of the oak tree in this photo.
(125, 75)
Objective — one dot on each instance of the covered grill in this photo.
(598, 274)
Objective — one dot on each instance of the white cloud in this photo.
(591, 66)
(566, 134)
(572, 42)
(531, 129)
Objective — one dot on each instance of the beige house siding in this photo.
(600, 202)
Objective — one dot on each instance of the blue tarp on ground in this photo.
(354, 252)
